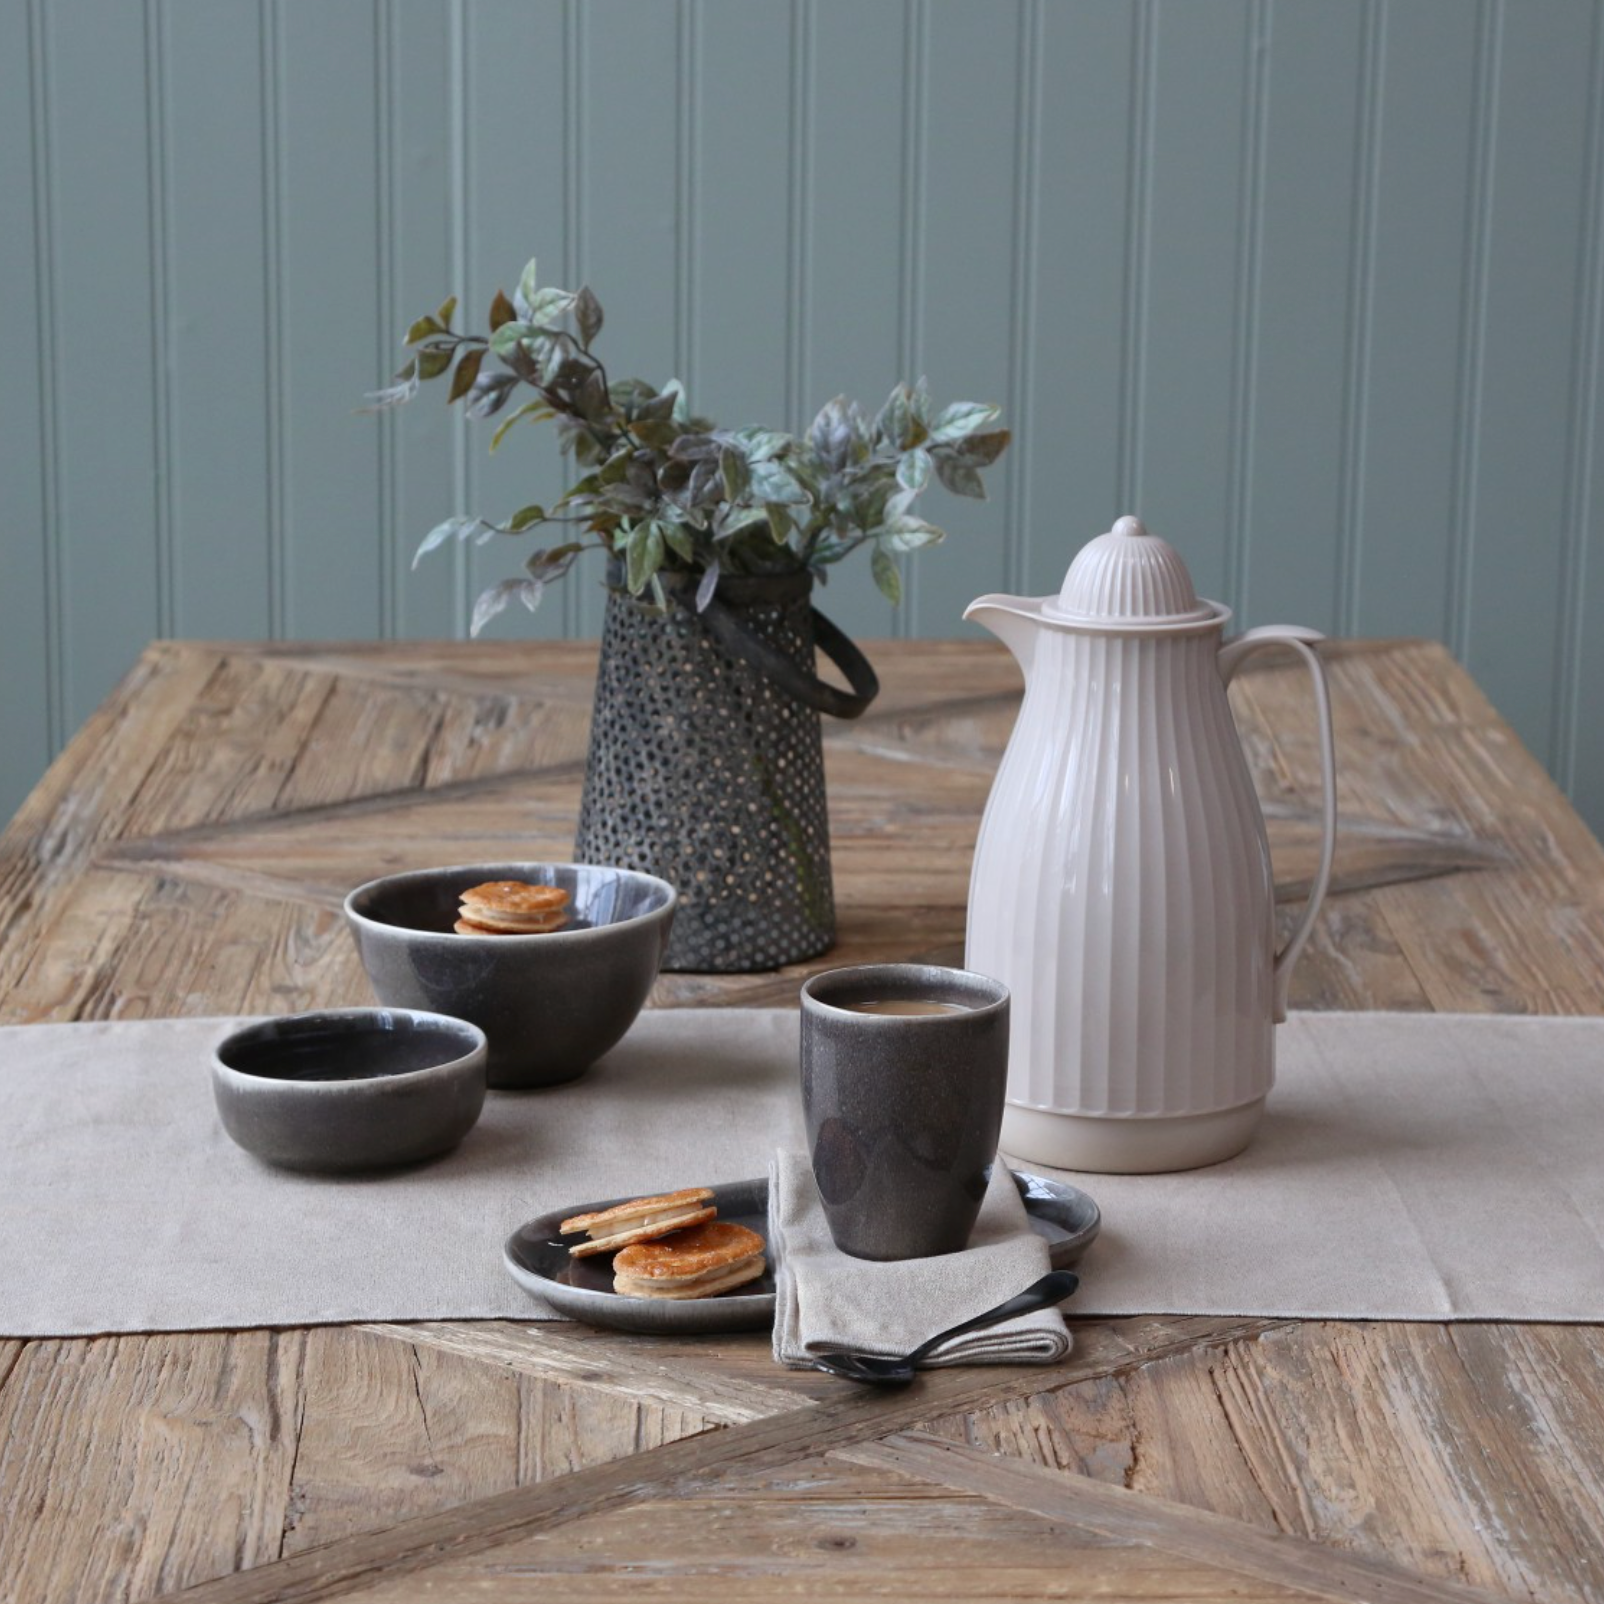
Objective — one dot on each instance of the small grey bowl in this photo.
(350, 1089)
(551, 1004)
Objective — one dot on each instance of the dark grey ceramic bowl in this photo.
(350, 1088)
(551, 1004)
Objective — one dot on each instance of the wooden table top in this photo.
(187, 855)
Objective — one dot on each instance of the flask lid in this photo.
(1130, 577)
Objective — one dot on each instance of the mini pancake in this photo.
(699, 1262)
(640, 1220)
(511, 908)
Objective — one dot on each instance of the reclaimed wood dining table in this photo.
(187, 855)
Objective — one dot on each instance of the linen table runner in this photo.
(1411, 1166)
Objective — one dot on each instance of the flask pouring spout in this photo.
(1014, 620)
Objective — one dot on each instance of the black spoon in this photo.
(877, 1372)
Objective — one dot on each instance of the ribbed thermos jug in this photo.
(1121, 886)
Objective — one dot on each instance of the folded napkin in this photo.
(826, 1300)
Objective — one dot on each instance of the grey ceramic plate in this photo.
(536, 1256)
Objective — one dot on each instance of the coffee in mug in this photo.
(902, 1005)
(904, 1067)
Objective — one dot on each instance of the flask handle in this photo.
(1302, 641)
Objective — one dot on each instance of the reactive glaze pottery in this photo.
(349, 1089)
(902, 1110)
(549, 1004)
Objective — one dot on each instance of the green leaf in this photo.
(587, 315)
(655, 408)
(524, 517)
(960, 478)
(886, 575)
(528, 287)
(508, 337)
(709, 583)
(643, 556)
(467, 372)
(978, 450)
(501, 311)
(838, 435)
(423, 329)
(455, 528)
(678, 539)
(490, 393)
(494, 600)
(553, 355)
(908, 534)
(899, 422)
(553, 564)
(780, 523)
(432, 363)
(962, 419)
(736, 475)
(546, 306)
(761, 445)
(913, 469)
(771, 482)
(536, 411)
(396, 394)
(448, 308)
(694, 448)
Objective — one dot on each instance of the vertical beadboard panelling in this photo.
(1581, 767)
(630, 120)
(1318, 283)
(25, 628)
(1538, 173)
(420, 449)
(970, 155)
(861, 232)
(1302, 313)
(325, 125)
(1199, 96)
(208, 166)
(101, 296)
(517, 166)
(735, 209)
(1079, 203)
(1404, 510)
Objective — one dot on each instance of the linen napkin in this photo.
(825, 1299)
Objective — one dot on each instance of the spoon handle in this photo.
(1053, 1287)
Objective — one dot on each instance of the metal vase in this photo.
(706, 765)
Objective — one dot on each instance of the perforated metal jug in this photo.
(706, 765)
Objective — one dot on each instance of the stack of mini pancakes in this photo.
(510, 908)
(670, 1246)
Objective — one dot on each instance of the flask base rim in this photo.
(1108, 1145)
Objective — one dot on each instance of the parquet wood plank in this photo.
(1189, 1533)
(826, 1531)
(413, 1429)
(1472, 1453)
(680, 1468)
(130, 1465)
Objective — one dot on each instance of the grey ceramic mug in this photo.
(903, 1110)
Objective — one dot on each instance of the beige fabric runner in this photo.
(1411, 1167)
(125, 1207)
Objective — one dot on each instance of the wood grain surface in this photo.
(187, 854)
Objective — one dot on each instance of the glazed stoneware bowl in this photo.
(549, 1004)
(350, 1089)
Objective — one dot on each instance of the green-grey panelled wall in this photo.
(1314, 286)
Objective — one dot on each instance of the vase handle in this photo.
(807, 688)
